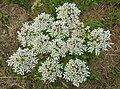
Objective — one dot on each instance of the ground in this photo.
(107, 68)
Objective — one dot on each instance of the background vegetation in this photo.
(105, 69)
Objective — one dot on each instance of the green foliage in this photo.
(6, 1)
(116, 1)
(84, 4)
(36, 5)
(115, 17)
(4, 20)
(23, 3)
(115, 74)
(38, 80)
(3, 62)
(52, 4)
(94, 23)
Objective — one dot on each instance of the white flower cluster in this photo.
(99, 40)
(76, 71)
(34, 35)
(69, 15)
(45, 35)
(56, 37)
(64, 34)
(23, 61)
(50, 70)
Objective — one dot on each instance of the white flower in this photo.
(69, 15)
(50, 70)
(22, 35)
(35, 34)
(23, 61)
(98, 40)
(75, 46)
(76, 71)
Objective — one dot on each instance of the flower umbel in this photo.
(50, 70)
(98, 40)
(76, 71)
(23, 61)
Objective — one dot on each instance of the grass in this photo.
(4, 19)
(23, 3)
(105, 70)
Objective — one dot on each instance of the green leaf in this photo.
(6, 1)
(1, 15)
(39, 81)
(40, 56)
(84, 56)
(65, 85)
